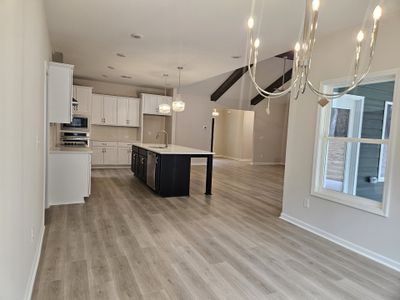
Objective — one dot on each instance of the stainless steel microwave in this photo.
(79, 123)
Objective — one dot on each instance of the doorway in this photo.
(232, 134)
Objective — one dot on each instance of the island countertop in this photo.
(172, 149)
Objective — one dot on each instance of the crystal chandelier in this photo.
(178, 105)
(303, 53)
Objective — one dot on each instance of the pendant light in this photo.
(164, 108)
(215, 113)
(178, 105)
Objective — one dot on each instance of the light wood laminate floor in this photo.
(127, 243)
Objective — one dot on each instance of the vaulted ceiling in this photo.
(201, 35)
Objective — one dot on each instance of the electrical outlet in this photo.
(33, 234)
(306, 203)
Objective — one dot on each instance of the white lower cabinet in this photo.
(97, 156)
(69, 177)
(111, 153)
(124, 156)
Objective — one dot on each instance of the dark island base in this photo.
(171, 177)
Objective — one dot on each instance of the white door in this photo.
(124, 156)
(110, 156)
(122, 109)
(133, 112)
(97, 109)
(110, 110)
(84, 97)
(97, 156)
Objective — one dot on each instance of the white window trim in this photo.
(317, 190)
(381, 177)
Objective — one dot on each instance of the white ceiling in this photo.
(200, 35)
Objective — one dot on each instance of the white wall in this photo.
(233, 134)
(193, 126)
(270, 132)
(25, 47)
(375, 235)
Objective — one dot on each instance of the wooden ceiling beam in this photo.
(273, 87)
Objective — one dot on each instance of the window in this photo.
(352, 155)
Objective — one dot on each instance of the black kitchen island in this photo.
(166, 170)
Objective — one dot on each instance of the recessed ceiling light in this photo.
(236, 56)
(104, 75)
(126, 76)
(137, 36)
(121, 55)
(111, 67)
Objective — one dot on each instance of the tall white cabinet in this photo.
(83, 95)
(59, 92)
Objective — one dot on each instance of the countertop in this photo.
(173, 149)
(70, 150)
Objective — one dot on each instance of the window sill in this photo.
(363, 204)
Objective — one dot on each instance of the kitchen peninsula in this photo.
(166, 170)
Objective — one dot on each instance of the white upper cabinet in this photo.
(122, 109)
(104, 110)
(83, 95)
(150, 104)
(128, 112)
(133, 112)
(59, 92)
(97, 109)
(110, 110)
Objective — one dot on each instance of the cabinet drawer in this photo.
(124, 145)
(104, 144)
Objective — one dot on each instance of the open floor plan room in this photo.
(127, 243)
(200, 149)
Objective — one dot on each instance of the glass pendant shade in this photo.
(178, 106)
(164, 108)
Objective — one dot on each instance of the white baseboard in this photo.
(34, 268)
(66, 203)
(234, 158)
(110, 167)
(344, 243)
(260, 163)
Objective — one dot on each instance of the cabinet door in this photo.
(110, 110)
(97, 109)
(59, 93)
(122, 109)
(133, 112)
(84, 97)
(110, 156)
(124, 156)
(97, 156)
(150, 104)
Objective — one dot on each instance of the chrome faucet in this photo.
(166, 136)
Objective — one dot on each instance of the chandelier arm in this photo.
(338, 95)
(260, 90)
